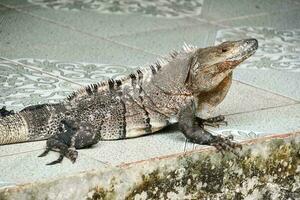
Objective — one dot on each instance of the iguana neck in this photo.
(207, 101)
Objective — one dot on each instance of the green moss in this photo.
(100, 193)
(228, 177)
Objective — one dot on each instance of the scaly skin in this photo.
(179, 89)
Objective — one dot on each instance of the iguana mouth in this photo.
(246, 48)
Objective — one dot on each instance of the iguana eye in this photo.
(224, 50)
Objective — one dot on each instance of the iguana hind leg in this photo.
(70, 135)
(196, 133)
(63, 149)
(4, 112)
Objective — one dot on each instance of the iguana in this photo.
(180, 88)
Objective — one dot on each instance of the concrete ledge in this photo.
(268, 167)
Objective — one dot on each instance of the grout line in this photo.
(78, 30)
(23, 152)
(262, 109)
(242, 17)
(209, 22)
(154, 30)
(39, 70)
(256, 15)
(250, 16)
(266, 90)
(95, 159)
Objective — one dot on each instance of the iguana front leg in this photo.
(214, 121)
(196, 133)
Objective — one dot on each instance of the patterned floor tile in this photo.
(162, 8)
(77, 72)
(276, 64)
(21, 87)
(220, 10)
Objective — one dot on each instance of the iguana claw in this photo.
(225, 144)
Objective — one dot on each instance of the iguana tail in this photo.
(13, 129)
(30, 124)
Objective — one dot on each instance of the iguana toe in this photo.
(72, 155)
(225, 144)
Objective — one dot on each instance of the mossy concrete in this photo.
(266, 168)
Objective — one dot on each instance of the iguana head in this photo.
(209, 66)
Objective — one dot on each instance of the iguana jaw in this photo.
(209, 66)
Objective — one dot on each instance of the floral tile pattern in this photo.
(78, 72)
(21, 86)
(278, 49)
(162, 8)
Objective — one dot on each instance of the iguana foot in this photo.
(71, 135)
(194, 131)
(214, 121)
(4, 112)
(224, 144)
(63, 149)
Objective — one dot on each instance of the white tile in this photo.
(245, 98)
(28, 167)
(166, 142)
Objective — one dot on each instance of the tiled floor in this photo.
(50, 48)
